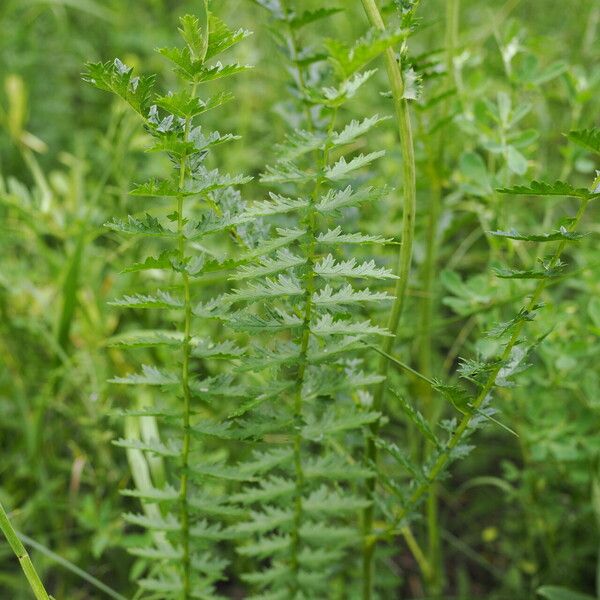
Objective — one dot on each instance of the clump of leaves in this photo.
(182, 523)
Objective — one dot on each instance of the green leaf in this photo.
(512, 366)
(149, 225)
(278, 206)
(219, 385)
(202, 530)
(273, 390)
(550, 72)
(475, 370)
(342, 169)
(275, 320)
(594, 311)
(538, 188)
(211, 567)
(221, 37)
(267, 490)
(69, 289)
(324, 501)
(328, 349)
(159, 299)
(150, 494)
(195, 35)
(458, 396)
(561, 234)
(331, 467)
(268, 288)
(211, 223)
(326, 326)
(474, 169)
(195, 70)
(285, 172)
(202, 348)
(417, 419)
(328, 267)
(329, 535)
(356, 129)
(218, 71)
(401, 458)
(263, 462)
(201, 142)
(172, 587)
(157, 554)
(299, 143)
(117, 78)
(207, 504)
(269, 519)
(335, 421)
(283, 261)
(349, 60)
(166, 523)
(552, 592)
(146, 339)
(328, 382)
(165, 260)
(286, 353)
(149, 375)
(503, 328)
(587, 138)
(286, 238)
(347, 295)
(516, 162)
(221, 430)
(337, 199)
(335, 236)
(545, 273)
(334, 97)
(182, 104)
(266, 547)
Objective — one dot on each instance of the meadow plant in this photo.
(309, 365)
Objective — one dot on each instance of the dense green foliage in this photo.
(308, 312)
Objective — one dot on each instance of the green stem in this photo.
(303, 362)
(419, 555)
(69, 566)
(465, 422)
(185, 378)
(35, 583)
(321, 160)
(434, 577)
(401, 107)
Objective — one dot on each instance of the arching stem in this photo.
(401, 107)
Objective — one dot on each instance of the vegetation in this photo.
(321, 321)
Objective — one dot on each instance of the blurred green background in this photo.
(519, 513)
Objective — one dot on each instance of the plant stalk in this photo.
(401, 107)
(185, 379)
(465, 422)
(320, 160)
(426, 344)
(35, 583)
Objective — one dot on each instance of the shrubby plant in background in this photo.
(307, 313)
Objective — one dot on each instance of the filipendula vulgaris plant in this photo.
(179, 548)
(304, 306)
(473, 397)
(474, 403)
(12, 537)
(403, 84)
